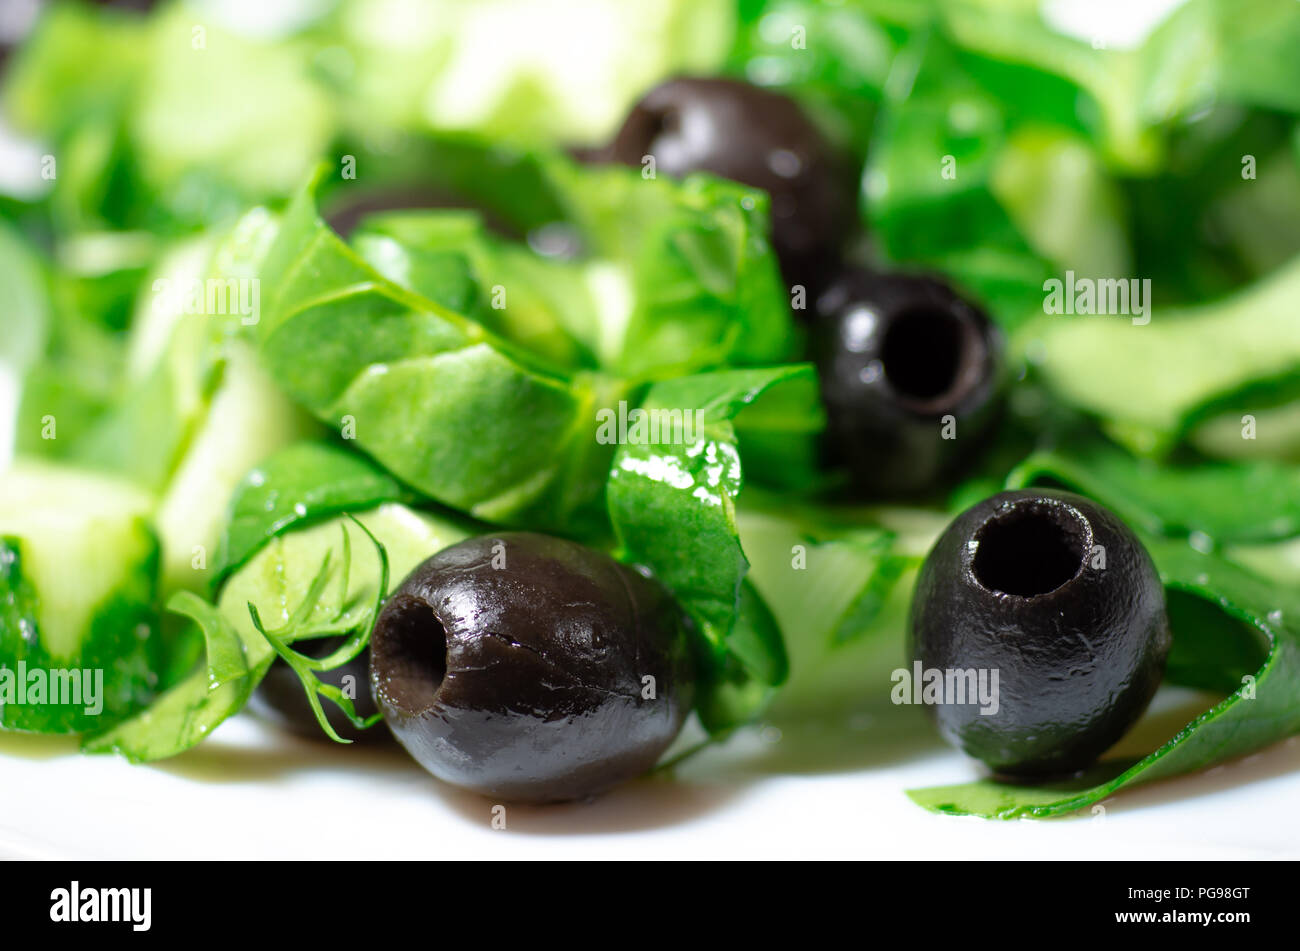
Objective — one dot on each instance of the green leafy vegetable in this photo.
(301, 483)
(72, 85)
(691, 281)
(164, 123)
(79, 375)
(831, 58)
(1223, 213)
(734, 688)
(779, 439)
(1228, 503)
(929, 182)
(1238, 51)
(451, 410)
(668, 277)
(672, 504)
(186, 714)
(451, 258)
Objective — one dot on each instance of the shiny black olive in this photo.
(758, 138)
(279, 698)
(911, 375)
(531, 668)
(1056, 595)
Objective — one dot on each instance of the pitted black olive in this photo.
(1059, 597)
(758, 138)
(279, 698)
(911, 375)
(531, 668)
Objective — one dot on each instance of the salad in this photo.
(563, 393)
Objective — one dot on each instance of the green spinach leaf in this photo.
(1231, 503)
(672, 499)
(665, 277)
(966, 180)
(301, 483)
(691, 281)
(186, 714)
(833, 60)
(454, 411)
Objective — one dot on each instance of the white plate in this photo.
(251, 792)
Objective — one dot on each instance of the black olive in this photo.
(279, 698)
(1059, 597)
(911, 375)
(531, 668)
(758, 138)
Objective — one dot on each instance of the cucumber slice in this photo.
(83, 534)
(247, 420)
(157, 314)
(78, 592)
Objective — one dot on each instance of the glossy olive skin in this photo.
(897, 355)
(1079, 641)
(758, 138)
(279, 699)
(512, 665)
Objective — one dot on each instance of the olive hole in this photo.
(414, 653)
(922, 353)
(667, 122)
(1029, 551)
